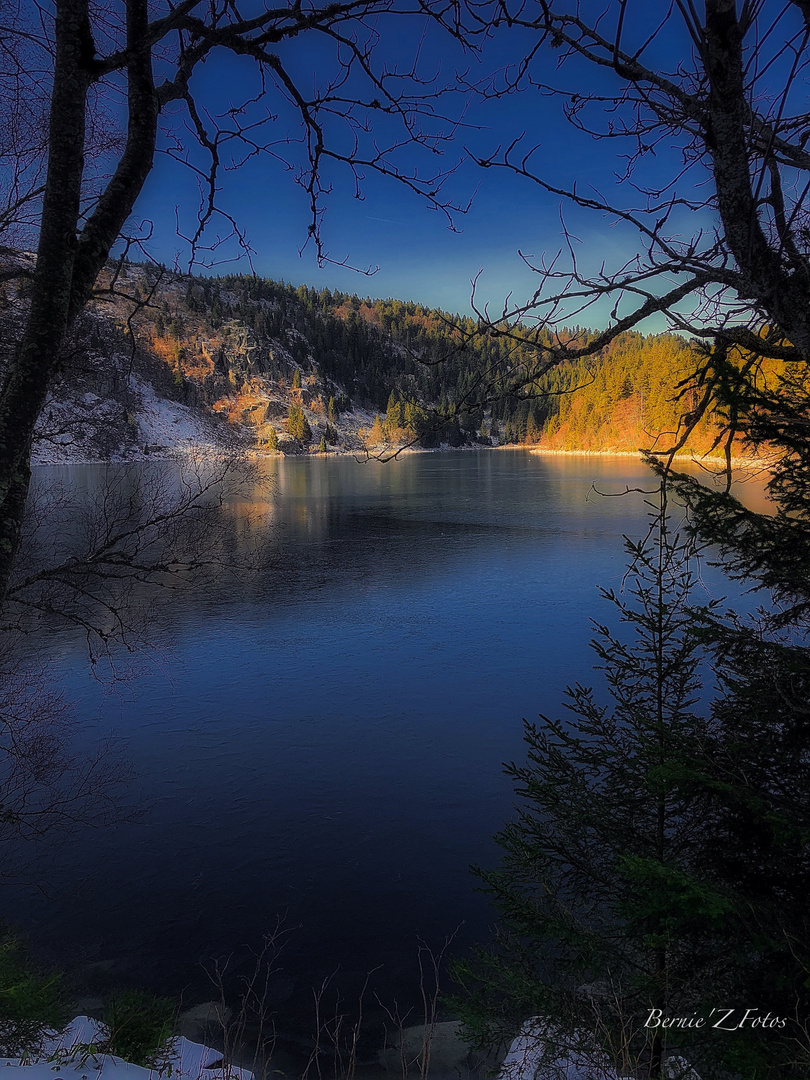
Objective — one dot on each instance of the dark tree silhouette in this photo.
(658, 859)
(724, 253)
(723, 244)
(73, 65)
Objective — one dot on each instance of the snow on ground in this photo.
(168, 425)
(531, 1049)
(89, 427)
(82, 427)
(69, 1054)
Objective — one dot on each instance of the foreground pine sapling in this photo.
(608, 916)
(31, 1001)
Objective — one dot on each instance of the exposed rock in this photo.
(204, 1021)
(449, 1055)
(276, 410)
(206, 367)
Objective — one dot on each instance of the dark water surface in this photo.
(324, 742)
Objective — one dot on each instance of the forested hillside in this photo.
(297, 370)
(420, 369)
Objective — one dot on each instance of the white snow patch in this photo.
(168, 425)
(69, 1053)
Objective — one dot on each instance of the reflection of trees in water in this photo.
(47, 788)
(98, 555)
(105, 545)
(279, 531)
(115, 558)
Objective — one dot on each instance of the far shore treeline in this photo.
(408, 363)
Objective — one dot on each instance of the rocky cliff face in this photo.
(155, 370)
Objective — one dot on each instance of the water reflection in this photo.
(326, 738)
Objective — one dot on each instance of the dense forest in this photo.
(429, 376)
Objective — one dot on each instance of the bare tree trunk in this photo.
(23, 394)
(68, 262)
(775, 277)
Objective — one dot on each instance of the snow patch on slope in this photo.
(165, 425)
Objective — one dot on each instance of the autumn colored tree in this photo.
(376, 437)
(393, 412)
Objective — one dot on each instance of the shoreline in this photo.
(254, 454)
(714, 459)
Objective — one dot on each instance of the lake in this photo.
(322, 742)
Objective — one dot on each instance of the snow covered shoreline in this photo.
(71, 1052)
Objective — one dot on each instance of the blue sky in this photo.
(418, 256)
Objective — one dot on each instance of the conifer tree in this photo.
(393, 412)
(532, 430)
(298, 425)
(656, 867)
(411, 417)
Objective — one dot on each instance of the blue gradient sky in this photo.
(418, 257)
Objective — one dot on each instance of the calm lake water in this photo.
(323, 742)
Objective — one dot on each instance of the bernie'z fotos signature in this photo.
(721, 1019)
